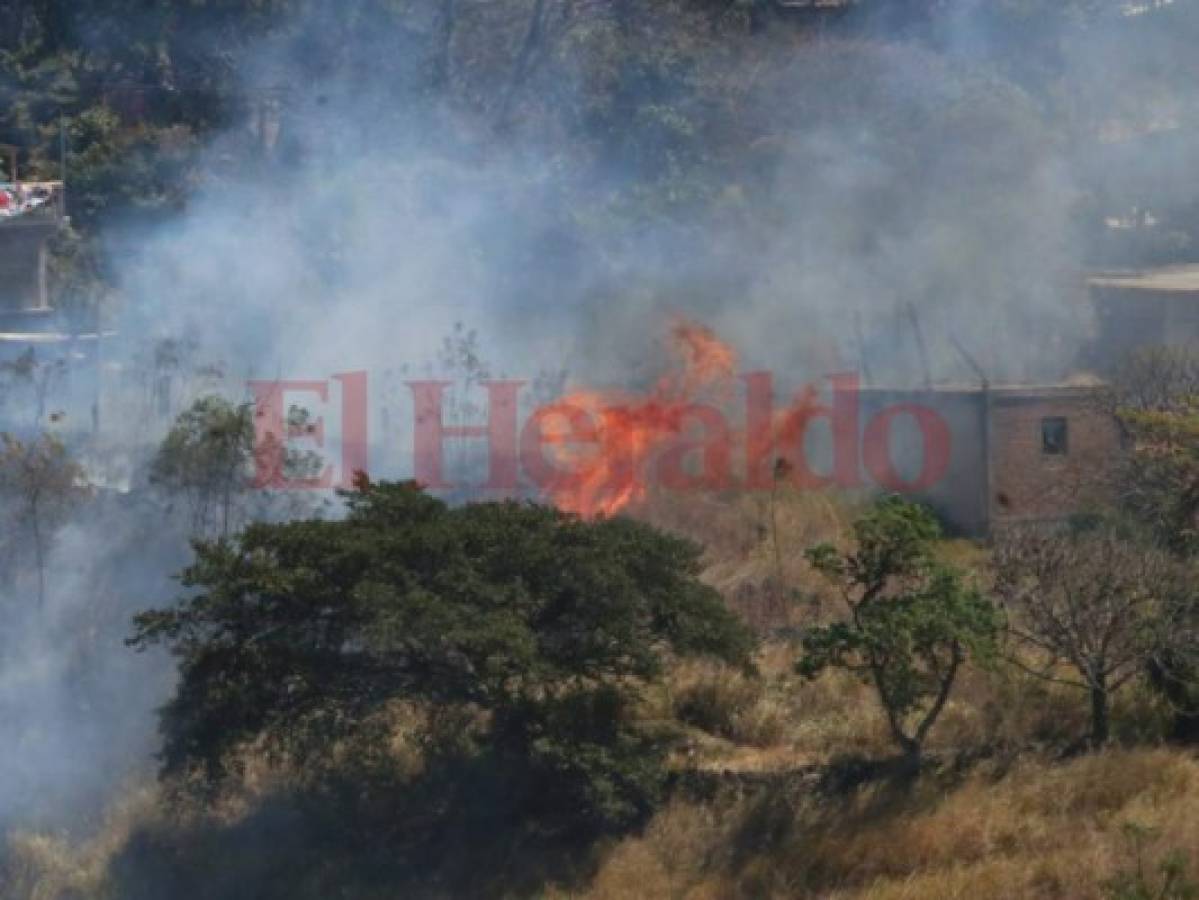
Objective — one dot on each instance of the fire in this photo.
(630, 431)
(706, 361)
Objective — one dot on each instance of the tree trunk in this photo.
(909, 745)
(524, 60)
(912, 759)
(934, 711)
(1099, 713)
(38, 556)
(774, 530)
(440, 76)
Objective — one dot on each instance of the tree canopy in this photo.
(913, 621)
(129, 95)
(1095, 602)
(301, 634)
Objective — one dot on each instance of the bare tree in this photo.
(1087, 608)
(461, 359)
(528, 50)
(446, 22)
(41, 484)
(1154, 395)
(37, 376)
(1157, 378)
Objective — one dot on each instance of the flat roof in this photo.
(1168, 278)
(50, 337)
(1085, 385)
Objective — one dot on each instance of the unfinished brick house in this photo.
(1042, 453)
(1017, 454)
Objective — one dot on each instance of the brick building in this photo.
(1026, 453)
(1016, 453)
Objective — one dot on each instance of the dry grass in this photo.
(728, 703)
(771, 585)
(775, 722)
(755, 543)
(52, 867)
(1039, 830)
(1043, 830)
(782, 720)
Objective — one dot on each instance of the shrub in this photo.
(729, 703)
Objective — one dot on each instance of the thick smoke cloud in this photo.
(879, 190)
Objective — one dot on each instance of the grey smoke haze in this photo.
(76, 707)
(888, 178)
(904, 181)
(919, 185)
(872, 180)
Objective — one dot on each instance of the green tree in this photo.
(1155, 395)
(912, 621)
(217, 462)
(539, 625)
(207, 458)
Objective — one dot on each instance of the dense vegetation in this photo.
(649, 108)
(528, 630)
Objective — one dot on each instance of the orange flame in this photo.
(630, 431)
(706, 360)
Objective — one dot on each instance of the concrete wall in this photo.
(23, 257)
(1132, 316)
(959, 496)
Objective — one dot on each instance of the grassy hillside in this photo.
(1028, 828)
(780, 787)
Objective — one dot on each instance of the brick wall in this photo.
(1029, 484)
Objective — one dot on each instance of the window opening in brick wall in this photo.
(1055, 436)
